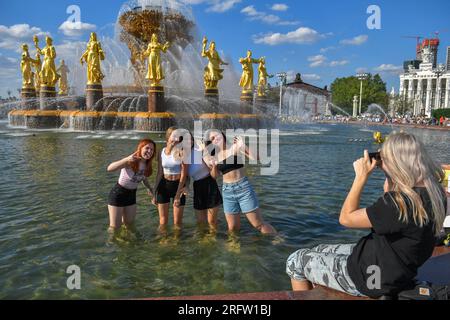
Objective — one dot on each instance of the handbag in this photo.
(426, 291)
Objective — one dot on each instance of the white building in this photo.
(426, 86)
(302, 98)
(448, 58)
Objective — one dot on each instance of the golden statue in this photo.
(37, 66)
(155, 72)
(247, 72)
(378, 137)
(63, 82)
(213, 73)
(48, 74)
(263, 75)
(92, 56)
(26, 68)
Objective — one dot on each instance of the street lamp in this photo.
(282, 77)
(361, 77)
(440, 70)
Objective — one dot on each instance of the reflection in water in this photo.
(53, 214)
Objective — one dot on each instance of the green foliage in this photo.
(374, 91)
(441, 112)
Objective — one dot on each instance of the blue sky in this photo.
(320, 39)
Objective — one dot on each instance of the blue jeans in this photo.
(239, 197)
(325, 265)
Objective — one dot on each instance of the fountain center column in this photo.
(156, 99)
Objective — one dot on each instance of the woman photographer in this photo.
(404, 224)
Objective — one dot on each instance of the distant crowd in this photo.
(418, 120)
(5, 100)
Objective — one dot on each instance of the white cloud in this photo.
(389, 68)
(325, 50)
(222, 6)
(70, 50)
(311, 77)
(292, 74)
(317, 61)
(254, 14)
(76, 29)
(361, 70)
(302, 35)
(12, 37)
(250, 11)
(280, 7)
(322, 61)
(356, 41)
(218, 6)
(10, 77)
(339, 63)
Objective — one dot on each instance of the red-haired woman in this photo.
(135, 169)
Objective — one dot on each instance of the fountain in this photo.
(164, 81)
(377, 109)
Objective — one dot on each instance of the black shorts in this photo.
(121, 197)
(167, 190)
(207, 194)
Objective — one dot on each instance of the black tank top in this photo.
(225, 167)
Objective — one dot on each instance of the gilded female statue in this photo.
(213, 73)
(26, 67)
(63, 82)
(37, 66)
(155, 72)
(247, 72)
(48, 74)
(92, 56)
(262, 79)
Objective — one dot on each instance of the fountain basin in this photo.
(139, 121)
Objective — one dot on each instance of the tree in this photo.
(441, 112)
(345, 89)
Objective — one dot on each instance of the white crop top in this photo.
(170, 165)
(131, 180)
(197, 168)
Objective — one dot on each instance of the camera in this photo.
(375, 155)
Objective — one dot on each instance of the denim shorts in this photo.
(239, 197)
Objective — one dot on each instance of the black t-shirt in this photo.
(397, 248)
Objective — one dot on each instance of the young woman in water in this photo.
(134, 170)
(238, 194)
(171, 181)
(404, 224)
(207, 197)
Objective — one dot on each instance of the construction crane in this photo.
(437, 33)
(418, 45)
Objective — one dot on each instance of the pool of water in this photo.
(53, 214)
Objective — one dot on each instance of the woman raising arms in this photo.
(237, 192)
(135, 169)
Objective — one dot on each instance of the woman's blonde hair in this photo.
(408, 164)
(176, 151)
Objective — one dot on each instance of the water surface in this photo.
(53, 214)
